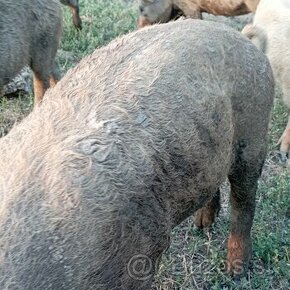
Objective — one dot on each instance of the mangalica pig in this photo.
(134, 139)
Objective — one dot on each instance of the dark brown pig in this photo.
(30, 32)
(134, 139)
(161, 11)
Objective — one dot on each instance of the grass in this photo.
(195, 259)
(102, 22)
(12, 110)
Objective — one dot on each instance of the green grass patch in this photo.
(102, 22)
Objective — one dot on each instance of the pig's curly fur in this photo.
(135, 138)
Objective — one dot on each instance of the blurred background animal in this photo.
(74, 5)
(30, 32)
(154, 11)
(270, 32)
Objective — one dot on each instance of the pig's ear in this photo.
(142, 22)
(257, 35)
(249, 31)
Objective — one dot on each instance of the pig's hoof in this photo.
(204, 217)
(77, 22)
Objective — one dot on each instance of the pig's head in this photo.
(154, 11)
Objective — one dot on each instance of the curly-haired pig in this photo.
(270, 33)
(137, 137)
